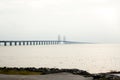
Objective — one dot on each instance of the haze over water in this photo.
(91, 57)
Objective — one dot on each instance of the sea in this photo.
(94, 58)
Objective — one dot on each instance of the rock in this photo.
(97, 76)
(112, 77)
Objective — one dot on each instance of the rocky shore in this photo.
(46, 71)
(107, 76)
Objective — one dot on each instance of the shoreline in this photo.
(114, 75)
(55, 76)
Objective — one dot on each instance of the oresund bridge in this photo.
(35, 42)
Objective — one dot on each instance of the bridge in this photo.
(35, 42)
(28, 42)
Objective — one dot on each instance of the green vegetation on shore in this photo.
(39, 71)
(16, 72)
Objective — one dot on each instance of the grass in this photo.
(21, 72)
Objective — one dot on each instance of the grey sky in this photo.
(80, 20)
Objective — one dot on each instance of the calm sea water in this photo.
(91, 57)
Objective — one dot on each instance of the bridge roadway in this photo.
(44, 42)
(36, 42)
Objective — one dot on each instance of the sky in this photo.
(78, 20)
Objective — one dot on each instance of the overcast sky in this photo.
(79, 20)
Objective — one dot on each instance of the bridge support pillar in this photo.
(15, 43)
(5, 43)
(41, 42)
(10, 43)
(36, 42)
(23, 43)
(27, 43)
(19, 43)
